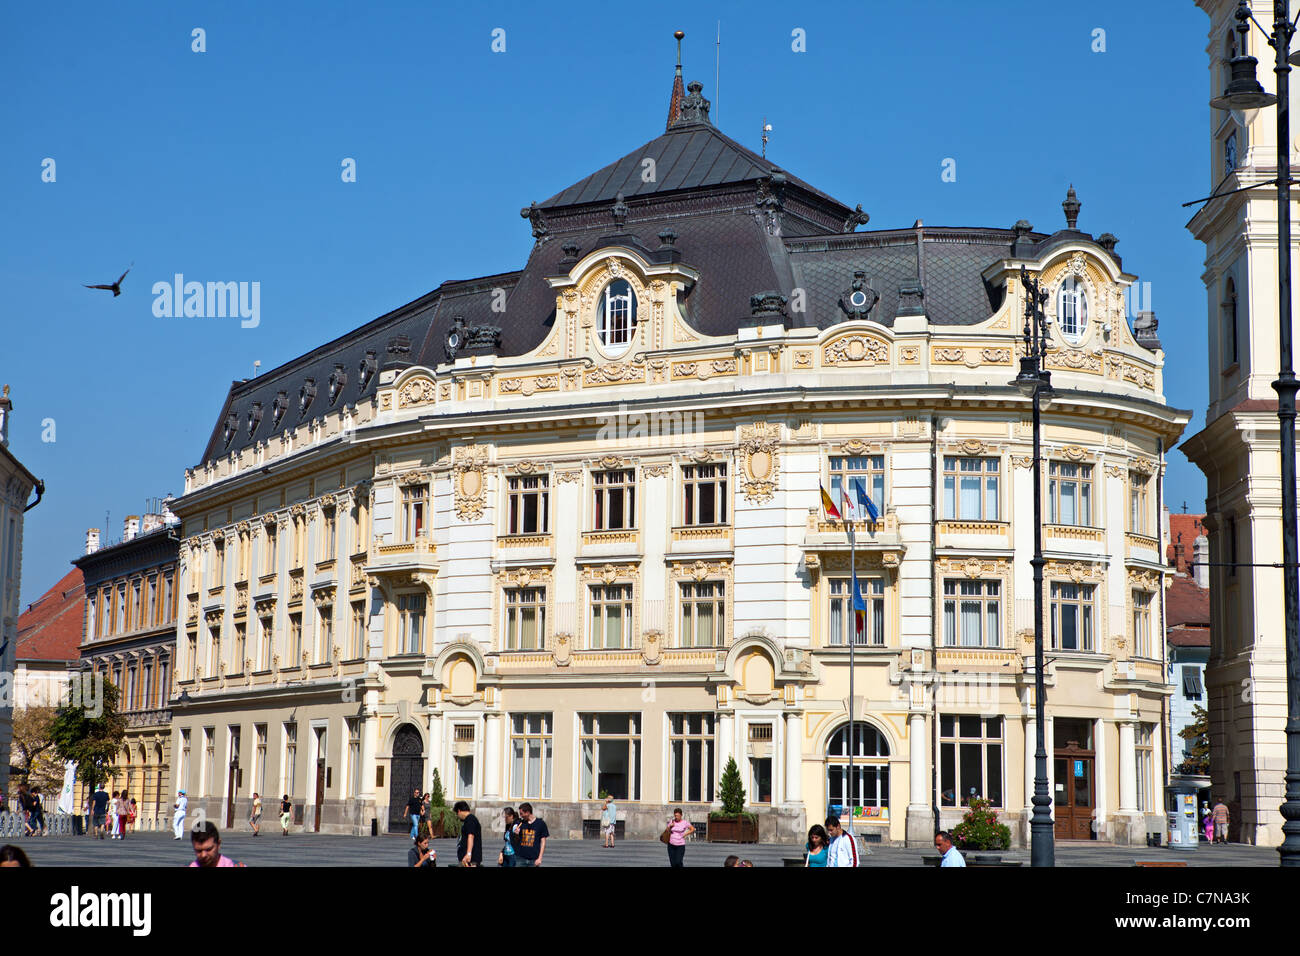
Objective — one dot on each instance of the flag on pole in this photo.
(865, 501)
(859, 607)
(69, 784)
(846, 504)
(829, 505)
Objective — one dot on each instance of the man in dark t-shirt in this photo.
(99, 811)
(469, 848)
(414, 810)
(530, 844)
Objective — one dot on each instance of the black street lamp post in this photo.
(1245, 93)
(1036, 383)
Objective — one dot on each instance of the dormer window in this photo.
(232, 427)
(369, 363)
(306, 395)
(338, 378)
(617, 317)
(278, 407)
(254, 418)
(1072, 310)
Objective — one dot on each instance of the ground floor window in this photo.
(690, 739)
(530, 749)
(866, 789)
(610, 747)
(760, 779)
(970, 760)
(1145, 765)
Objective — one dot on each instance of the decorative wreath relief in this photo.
(760, 461)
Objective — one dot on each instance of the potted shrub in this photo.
(980, 830)
(732, 824)
(443, 821)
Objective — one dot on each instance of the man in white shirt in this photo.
(951, 855)
(178, 816)
(843, 848)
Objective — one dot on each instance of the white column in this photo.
(916, 760)
(492, 757)
(435, 753)
(793, 758)
(1127, 767)
(726, 745)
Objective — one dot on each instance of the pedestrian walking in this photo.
(113, 805)
(1220, 822)
(206, 842)
(421, 856)
(1207, 823)
(843, 849)
(25, 808)
(469, 848)
(179, 809)
(255, 815)
(507, 855)
(951, 855)
(286, 809)
(818, 848)
(532, 835)
(609, 821)
(38, 814)
(99, 811)
(124, 815)
(414, 807)
(679, 828)
(131, 813)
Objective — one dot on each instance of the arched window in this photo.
(1072, 310)
(617, 317)
(868, 787)
(1229, 322)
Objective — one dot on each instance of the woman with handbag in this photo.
(675, 835)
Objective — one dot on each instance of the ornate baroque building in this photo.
(1239, 449)
(16, 487)
(129, 639)
(556, 533)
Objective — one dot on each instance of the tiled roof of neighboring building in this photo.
(1186, 604)
(50, 628)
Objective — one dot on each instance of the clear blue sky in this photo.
(225, 165)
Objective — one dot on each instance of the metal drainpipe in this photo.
(934, 622)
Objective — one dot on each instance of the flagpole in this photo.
(853, 640)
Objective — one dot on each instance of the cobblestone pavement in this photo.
(301, 849)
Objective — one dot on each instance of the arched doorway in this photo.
(867, 789)
(406, 775)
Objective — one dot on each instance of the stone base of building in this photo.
(920, 827)
(1127, 828)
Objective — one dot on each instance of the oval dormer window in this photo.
(1072, 310)
(617, 317)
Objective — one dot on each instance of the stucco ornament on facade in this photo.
(856, 349)
(469, 464)
(420, 390)
(760, 461)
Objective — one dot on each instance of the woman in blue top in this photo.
(818, 845)
(507, 855)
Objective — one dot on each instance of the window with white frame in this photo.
(360, 522)
(970, 488)
(1230, 317)
(413, 507)
(218, 562)
(146, 688)
(1069, 493)
(184, 769)
(1072, 616)
(703, 618)
(358, 648)
(208, 772)
(1139, 503)
(164, 683)
(241, 647)
(92, 616)
(410, 623)
(704, 494)
(329, 538)
(299, 537)
(119, 616)
(609, 746)
(611, 616)
(295, 640)
(192, 652)
(1072, 310)
(324, 633)
(867, 469)
(970, 759)
(265, 640)
(269, 546)
(972, 613)
(614, 499)
(843, 626)
(214, 649)
(354, 756)
(525, 619)
(151, 616)
(616, 317)
(1142, 624)
(1144, 734)
(259, 757)
(169, 598)
(528, 498)
(691, 744)
(530, 756)
(289, 768)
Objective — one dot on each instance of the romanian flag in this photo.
(829, 505)
(859, 607)
(865, 501)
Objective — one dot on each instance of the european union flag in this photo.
(865, 500)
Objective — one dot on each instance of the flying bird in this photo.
(116, 287)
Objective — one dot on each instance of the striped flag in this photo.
(829, 505)
(859, 607)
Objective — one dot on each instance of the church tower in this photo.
(1239, 448)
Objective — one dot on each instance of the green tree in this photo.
(1197, 734)
(91, 736)
(33, 750)
(730, 790)
(439, 812)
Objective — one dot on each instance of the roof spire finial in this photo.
(1071, 207)
(675, 101)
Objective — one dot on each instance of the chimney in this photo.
(92, 540)
(151, 522)
(1201, 555)
(1180, 559)
(130, 526)
(167, 516)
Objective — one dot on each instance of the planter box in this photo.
(740, 830)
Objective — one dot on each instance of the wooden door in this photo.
(1076, 797)
(320, 790)
(231, 790)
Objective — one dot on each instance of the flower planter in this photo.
(734, 830)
